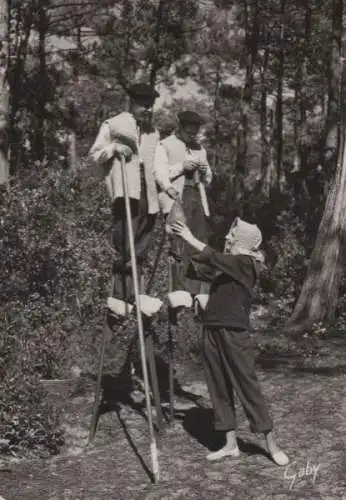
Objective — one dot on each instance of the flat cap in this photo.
(143, 91)
(190, 117)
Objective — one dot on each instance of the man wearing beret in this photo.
(130, 135)
(180, 164)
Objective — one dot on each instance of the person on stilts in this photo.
(180, 166)
(130, 134)
(227, 354)
(125, 149)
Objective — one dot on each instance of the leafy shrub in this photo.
(285, 271)
(56, 274)
(54, 264)
(27, 421)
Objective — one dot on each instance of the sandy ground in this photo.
(309, 410)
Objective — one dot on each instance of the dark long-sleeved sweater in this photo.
(232, 280)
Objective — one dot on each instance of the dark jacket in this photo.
(232, 281)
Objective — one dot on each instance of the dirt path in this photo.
(310, 415)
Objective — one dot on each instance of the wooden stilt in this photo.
(142, 343)
(171, 320)
(149, 345)
(153, 443)
(96, 405)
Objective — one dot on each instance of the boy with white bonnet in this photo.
(227, 356)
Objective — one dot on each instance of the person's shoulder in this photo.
(246, 260)
(241, 261)
(247, 264)
(170, 139)
(119, 118)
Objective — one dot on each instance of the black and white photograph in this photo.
(173, 249)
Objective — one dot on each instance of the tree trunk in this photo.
(269, 179)
(279, 101)
(216, 113)
(4, 94)
(332, 129)
(319, 294)
(297, 163)
(323, 96)
(251, 41)
(39, 137)
(301, 93)
(78, 53)
(125, 73)
(18, 57)
(79, 39)
(303, 200)
(266, 124)
(156, 63)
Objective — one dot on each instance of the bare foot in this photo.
(229, 450)
(222, 453)
(278, 456)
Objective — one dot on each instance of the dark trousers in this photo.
(183, 274)
(143, 225)
(229, 366)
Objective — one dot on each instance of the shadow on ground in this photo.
(163, 371)
(274, 360)
(327, 371)
(297, 363)
(199, 424)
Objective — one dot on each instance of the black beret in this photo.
(190, 117)
(143, 91)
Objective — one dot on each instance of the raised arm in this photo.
(184, 232)
(225, 263)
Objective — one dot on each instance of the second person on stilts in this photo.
(180, 165)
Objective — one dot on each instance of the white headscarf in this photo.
(245, 239)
